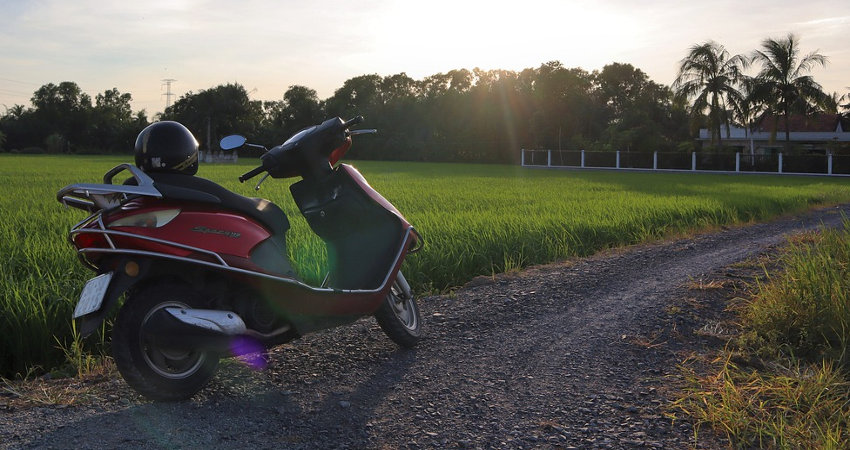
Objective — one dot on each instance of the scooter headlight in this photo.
(150, 219)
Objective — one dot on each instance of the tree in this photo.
(357, 96)
(302, 108)
(299, 109)
(640, 114)
(20, 128)
(63, 118)
(64, 110)
(750, 108)
(783, 83)
(215, 112)
(844, 103)
(434, 86)
(619, 86)
(459, 115)
(564, 105)
(502, 106)
(114, 106)
(710, 76)
(112, 125)
(400, 120)
(398, 87)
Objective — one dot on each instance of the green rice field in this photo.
(476, 219)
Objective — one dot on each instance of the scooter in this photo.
(204, 272)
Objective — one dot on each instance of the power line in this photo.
(12, 92)
(28, 83)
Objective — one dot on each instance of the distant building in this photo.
(816, 134)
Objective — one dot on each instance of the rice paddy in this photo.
(476, 219)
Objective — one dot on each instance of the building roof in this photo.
(815, 123)
(817, 128)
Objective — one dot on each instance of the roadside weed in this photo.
(784, 382)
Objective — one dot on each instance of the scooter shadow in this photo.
(245, 408)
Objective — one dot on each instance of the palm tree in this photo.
(783, 83)
(749, 109)
(710, 77)
(845, 106)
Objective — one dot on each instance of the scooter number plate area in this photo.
(92, 296)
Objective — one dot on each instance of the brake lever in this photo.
(257, 187)
(261, 147)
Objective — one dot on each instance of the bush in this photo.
(55, 143)
(805, 312)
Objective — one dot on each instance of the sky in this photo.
(268, 45)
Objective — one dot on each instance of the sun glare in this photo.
(450, 35)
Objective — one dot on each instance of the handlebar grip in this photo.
(253, 173)
(353, 121)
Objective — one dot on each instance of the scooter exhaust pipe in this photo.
(188, 328)
(225, 322)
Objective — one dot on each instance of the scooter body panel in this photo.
(218, 231)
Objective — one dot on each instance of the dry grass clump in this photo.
(784, 381)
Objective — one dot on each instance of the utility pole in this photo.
(209, 134)
(168, 94)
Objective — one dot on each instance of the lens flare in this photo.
(250, 352)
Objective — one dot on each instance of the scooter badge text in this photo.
(205, 230)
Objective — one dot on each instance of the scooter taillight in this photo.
(89, 240)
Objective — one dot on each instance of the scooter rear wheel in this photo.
(159, 373)
(399, 317)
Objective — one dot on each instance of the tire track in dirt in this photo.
(570, 354)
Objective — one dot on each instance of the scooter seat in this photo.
(174, 186)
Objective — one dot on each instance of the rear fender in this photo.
(126, 273)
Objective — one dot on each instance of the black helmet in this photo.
(167, 147)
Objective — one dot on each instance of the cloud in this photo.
(270, 45)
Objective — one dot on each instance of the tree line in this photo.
(461, 115)
(63, 119)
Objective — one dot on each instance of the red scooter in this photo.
(206, 272)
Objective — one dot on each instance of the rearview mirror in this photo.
(232, 141)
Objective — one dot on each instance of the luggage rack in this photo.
(96, 197)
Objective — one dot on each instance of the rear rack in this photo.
(83, 228)
(95, 197)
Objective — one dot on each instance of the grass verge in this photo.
(783, 382)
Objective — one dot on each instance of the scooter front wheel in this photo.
(155, 371)
(399, 316)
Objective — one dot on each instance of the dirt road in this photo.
(578, 354)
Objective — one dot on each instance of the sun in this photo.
(446, 35)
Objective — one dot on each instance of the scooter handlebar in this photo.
(280, 156)
(353, 121)
(251, 174)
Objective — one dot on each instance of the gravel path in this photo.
(578, 354)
